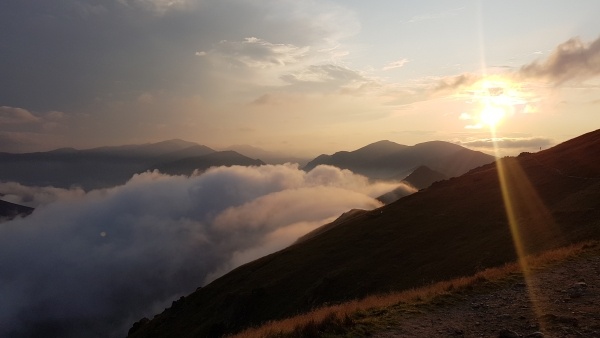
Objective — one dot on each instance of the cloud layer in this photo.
(528, 143)
(90, 266)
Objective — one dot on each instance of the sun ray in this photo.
(525, 211)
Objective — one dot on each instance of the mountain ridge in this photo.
(389, 160)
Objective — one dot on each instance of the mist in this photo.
(89, 264)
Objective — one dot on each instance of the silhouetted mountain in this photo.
(186, 166)
(453, 228)
(267, 156)
(191, 151)
(146, 150)
(388, 160)
(92, 168)
(423, 177)
(420, 178)
(10, 210)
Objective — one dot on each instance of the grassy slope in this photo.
(454, 228)
(374, 313)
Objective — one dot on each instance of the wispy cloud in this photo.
(456, 82)
(12, 115)
(256, 53)
(395, 64)
(22, 130)
(508, 142)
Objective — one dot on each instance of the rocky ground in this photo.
(560, 301)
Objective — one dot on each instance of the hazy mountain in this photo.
(453, 228)
(420, 178)
(388, 160)
(10, 210)
(92, 168)
(147, 149)
(187, 165)
(269, 157)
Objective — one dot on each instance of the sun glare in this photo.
(491, 116)
(496, 100)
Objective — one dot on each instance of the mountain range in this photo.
(453, 228)
(389, 160)
(109, 166)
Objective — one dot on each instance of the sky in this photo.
(297, 77)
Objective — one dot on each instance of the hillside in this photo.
(558, 298)
(10, 210)
(420, 178)
(389, 160)
(453, 228)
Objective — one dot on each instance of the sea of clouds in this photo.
(89, 264)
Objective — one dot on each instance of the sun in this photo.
(497, 100)
(492, 115)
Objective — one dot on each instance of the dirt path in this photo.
(564, 301)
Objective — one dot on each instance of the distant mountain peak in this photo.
(176, 142)
(423, 176)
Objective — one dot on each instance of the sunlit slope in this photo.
(453, 228)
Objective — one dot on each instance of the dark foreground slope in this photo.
(453, 228)
(10, 210)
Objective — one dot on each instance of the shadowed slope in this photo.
(454, 228)
(10, 210)
(420, 178)
(423, 177)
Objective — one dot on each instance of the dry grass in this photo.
(337, 317)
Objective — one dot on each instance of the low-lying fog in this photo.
(89, 264)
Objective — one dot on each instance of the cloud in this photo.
(12, 115)
(158, 7)
(452, 83)
(508, 142)
(395, 64)
(22, 130)
(327, 78)
(256, 53)
(162, 36)
(571, 60)
(37, 196)
(90, 264)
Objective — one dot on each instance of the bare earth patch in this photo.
(559, 301)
